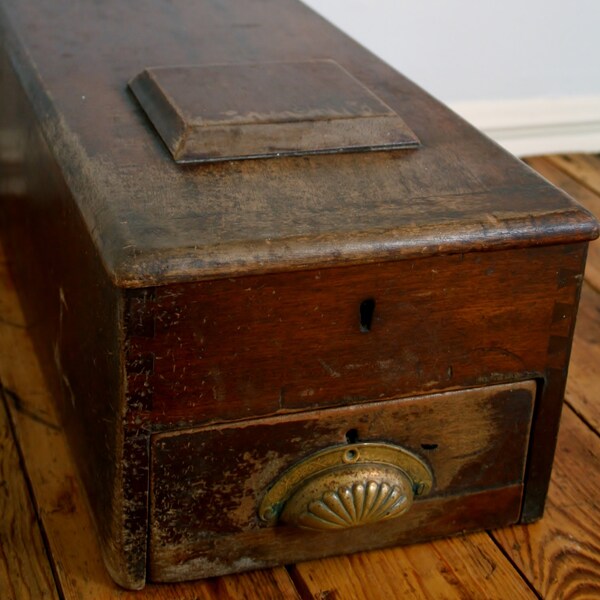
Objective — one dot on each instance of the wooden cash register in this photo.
(290, 304)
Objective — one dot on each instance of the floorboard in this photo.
(584, 168)
(583, 387)
(560, 554)
(461, 567)
(24, 567)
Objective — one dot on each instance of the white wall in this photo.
(525, 71)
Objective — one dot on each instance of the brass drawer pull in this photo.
(347, 486)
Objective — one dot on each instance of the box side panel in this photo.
(250, 346)
(74, 313)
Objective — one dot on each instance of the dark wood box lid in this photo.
(155, 221)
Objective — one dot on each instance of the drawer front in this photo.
(236, 348)
(207, 484)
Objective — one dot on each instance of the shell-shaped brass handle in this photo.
(347, 486)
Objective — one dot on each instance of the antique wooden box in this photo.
(291, 305)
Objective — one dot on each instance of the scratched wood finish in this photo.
(25, 572)
(74, 310)
(257, 345)
(202, 502)
(60, 500)
(435, 517)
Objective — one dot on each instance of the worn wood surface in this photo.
(222, 112)
(156, 222)
(85, 167)
(557, 557)
(263, 344)
(61, 504)
(203, 504)
(74, 310)
(427, 519)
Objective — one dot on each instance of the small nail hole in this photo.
(429, 446)
(367, 308)
(350, 456)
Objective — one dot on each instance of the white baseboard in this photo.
(538, 125)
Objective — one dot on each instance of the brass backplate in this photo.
(346, 486)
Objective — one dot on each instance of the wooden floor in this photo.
(47, 544)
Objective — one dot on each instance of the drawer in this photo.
(223, 496)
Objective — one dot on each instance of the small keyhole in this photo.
(352, 436)
(367, 308)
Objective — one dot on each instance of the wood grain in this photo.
(97, 205)
(427, 519)
(73, 310)
(583, 385)
(203, 513)
(584, 168)
(465, 567)
(25, 571)
(248, 346)
(61, 504)
(560, 171)
(156, 222)
(560, 554)
(578, 175)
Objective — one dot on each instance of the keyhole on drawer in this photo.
(352, 436)
(367, 308)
